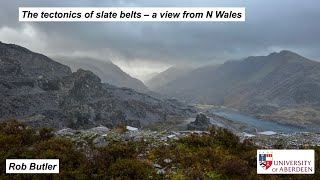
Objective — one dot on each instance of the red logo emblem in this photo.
(265, 160)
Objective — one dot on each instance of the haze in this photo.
(142, 48)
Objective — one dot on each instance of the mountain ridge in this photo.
(258, 85)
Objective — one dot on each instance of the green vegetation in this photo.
(216, 155)
(121, 128)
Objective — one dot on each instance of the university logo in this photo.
(265, 161)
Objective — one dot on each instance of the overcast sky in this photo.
(141, 48)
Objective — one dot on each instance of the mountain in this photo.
(150, 76)
(43, 93)
(187, 85)
(278, 86)
(33, 65)
(165, 77)
(106, 70)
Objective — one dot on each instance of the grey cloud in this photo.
(269, 25)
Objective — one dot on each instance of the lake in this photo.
(261, 125)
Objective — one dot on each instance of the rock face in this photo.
(24, 78)
(201, 123)
(52, 96)
(33, 64)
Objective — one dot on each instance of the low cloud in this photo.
(142, 47)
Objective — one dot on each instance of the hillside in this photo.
(106, 70)
(43, 93)
(165, 77)
(276, 86)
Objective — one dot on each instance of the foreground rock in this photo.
(102, 136)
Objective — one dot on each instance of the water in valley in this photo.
(262, 126)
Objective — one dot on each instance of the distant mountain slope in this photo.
(188, 84)
(150, 76)
(107, 71)
(260, 85)
(44, 93)
(279, 78)
(165, 77)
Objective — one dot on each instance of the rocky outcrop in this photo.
(34, 65)
(23, 78)
(201, 123)
(107, 71)
(52, 96)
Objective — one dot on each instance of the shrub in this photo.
(131, 169)
(25, 135)
(120, 150)
(225, 137)
(121, 128)
(46, 133)
(71, 159)
(234, 168)
(198, 141)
